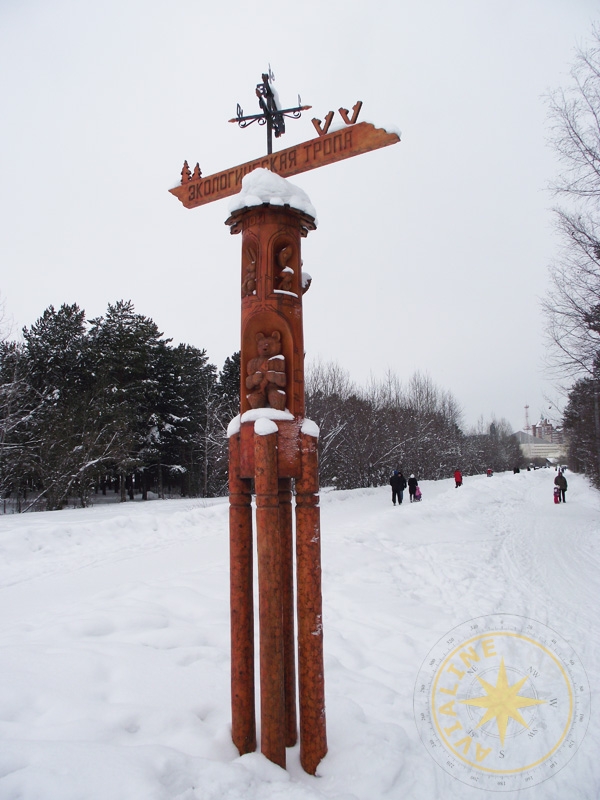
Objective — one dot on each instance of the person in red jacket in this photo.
(457, 478)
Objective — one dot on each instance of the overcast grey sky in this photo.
(430, 255)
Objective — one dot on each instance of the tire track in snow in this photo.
(547, 563)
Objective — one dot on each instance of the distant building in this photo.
(545, 430)
(550, 447)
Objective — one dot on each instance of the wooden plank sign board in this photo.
(327, 149)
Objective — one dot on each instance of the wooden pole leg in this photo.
(287, 599)
(272, 703)
(313, 737)
(243, 717)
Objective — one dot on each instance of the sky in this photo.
(431, 255)
(114, 649)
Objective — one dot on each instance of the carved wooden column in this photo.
(271, 449)
(272, 286)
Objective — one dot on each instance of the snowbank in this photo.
(114, 639)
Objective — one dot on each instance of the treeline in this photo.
(89, 408)
(367, 432)
(582, 424)
(110, 406)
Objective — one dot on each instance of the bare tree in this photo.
(572, 304)
(328, 388)
(575, 125)
(367, 432)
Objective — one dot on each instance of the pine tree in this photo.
(582, 425)
(203, 446)
(17, 403)
(229, 383)
(127, 350)
(66, 439)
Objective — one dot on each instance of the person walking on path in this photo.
(412, 487)
(398, 484)
(457, 478)
(561, 482)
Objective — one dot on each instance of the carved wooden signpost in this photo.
(272, 447)
(326, 149)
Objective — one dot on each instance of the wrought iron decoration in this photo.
(271, 116)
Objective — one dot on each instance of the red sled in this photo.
(556, 494)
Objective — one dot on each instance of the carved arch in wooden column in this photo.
(267, 321)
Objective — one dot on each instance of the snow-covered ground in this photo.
(114, 639)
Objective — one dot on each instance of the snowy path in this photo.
(114, 639)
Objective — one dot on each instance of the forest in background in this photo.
(109, 406)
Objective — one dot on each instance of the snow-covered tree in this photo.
(17, 404)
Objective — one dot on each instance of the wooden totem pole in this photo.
(272, 447)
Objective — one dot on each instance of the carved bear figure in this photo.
(266, 373)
